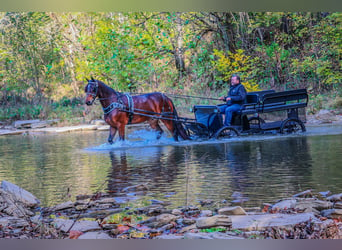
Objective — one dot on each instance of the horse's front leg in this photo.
(121, 129)
(112, 132)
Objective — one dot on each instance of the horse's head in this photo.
(91, 89)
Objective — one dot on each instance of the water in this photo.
(57, 167)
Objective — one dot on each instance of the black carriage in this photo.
(263, 112)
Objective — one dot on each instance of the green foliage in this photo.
(45, 57)
(213, 229)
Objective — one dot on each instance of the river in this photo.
(57, 167)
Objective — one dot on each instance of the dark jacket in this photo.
(237, 94)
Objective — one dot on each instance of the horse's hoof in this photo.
(110, 142)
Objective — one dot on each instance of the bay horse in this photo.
(122, 109)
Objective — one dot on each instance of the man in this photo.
(236, 97)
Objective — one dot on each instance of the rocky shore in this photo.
(305, 215)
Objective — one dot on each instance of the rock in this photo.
(65, 205)
(187, 221)
(176, 212)
(311, 210)
(98, 122)
(237, 210)
(206, 213)
(223, 236)
(169, 237)
(194, 236)
(20, 124)
(83, 226)
(335, 197)
(19, 194)
(325, 116)
(306, 193)
(325, 193)
(332, 213)
(263, 221)
(214, 221)
(252, 209)
(338, 205)
(95, 235)
(303, 204)
(13, 222)
(284, 204)
(107, 200)
(188, 228)
(164, 219)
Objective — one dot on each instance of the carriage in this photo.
(263, 112)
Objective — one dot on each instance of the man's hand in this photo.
(227, 99)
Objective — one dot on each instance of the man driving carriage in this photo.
(234, 100)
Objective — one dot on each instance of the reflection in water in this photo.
(157, 166)
(262, 170)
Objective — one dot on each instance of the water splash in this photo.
(137, 139)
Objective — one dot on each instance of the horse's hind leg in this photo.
(112, 132)
(154, 125)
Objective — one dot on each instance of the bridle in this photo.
(94, 95)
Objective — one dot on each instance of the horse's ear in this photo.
(87, 80)
(92, 79)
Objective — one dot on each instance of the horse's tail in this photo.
(178, 127)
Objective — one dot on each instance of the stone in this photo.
(335, 197)
(325, 116)
(107, 200)
(306, 193)
(194, 236)
(98, 122)
(214, 221)
(13, 222)
(188, 221)
(169, 237)
(19, 194)
(83, 226)
(188, 228)
(24, 123)
(338, 205)
(206, 213)
(262, 221)
(164, 219)
(65, 205)
(332, 213)
(95, 235)
(176, 212)
(303, 204)
(284, 204)
(237, 210)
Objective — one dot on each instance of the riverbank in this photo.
(305, 215)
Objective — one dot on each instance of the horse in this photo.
(122, 109)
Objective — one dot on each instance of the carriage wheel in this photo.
(256, 121)
(292, 126)
(226, 133)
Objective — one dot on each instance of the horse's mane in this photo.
(109, 89)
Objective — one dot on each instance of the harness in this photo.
(120, 105)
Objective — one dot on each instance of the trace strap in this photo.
(112, 106)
